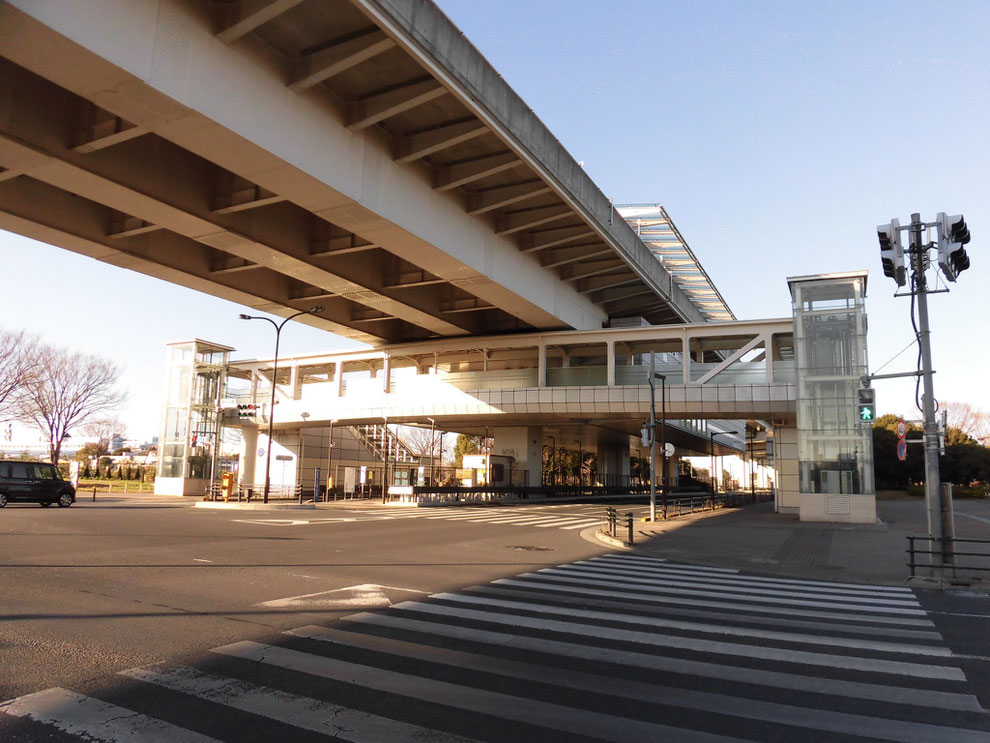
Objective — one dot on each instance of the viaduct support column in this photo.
(248, 457)
(525, 443)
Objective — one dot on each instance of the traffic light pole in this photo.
(939, 528)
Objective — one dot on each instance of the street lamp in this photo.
(271, 410)
(653, 437)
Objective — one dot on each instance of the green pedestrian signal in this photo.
(866, 401)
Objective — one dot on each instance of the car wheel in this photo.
(45, 503)
(3, 500)
(64, 500)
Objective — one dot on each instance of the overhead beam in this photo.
(410, 279)
(563, 256)
(454, 176)
(482, 202)
(372, 109)
(322, 65)
(607, 282)
(615, 295)
(465, 305)
(340, 246)
(106, 134)
(595, 268)
(241, 18)
(552, 238)
(243, 199)
(511, 223)
(415, 146)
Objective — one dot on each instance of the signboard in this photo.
(316, 485)
(901, 429)
(668, 450)
(902, 450)
(283, 457)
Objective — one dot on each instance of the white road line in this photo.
(752, 599)
(519, 709)
(576, 587)
(730, 583)
(200, 559)
(583, 525)
(664, 563)
(697, 569)
(565, 522)
(301, 712)
(623, 615)
(971, 516)
(94, 720)
(659, 664)
(679, 599)
(752, 709)
(872, 665)
(664, 608)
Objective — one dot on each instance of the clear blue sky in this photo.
(778, 135)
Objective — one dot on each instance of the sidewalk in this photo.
(755, 538)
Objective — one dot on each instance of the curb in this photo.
(256, 506)
(611, 541)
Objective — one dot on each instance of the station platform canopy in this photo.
(655, 228)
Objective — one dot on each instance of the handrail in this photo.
(943, 550)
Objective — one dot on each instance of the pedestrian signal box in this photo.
(866, 404)
(247, 410)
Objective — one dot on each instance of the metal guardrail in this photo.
(944, 554)
(610, 526)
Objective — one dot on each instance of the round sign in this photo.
(901, 429)
(902, 450)
(668, 449)
(261, 452)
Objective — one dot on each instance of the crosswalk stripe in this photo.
(764, 711)
(626, 617)
(655, 579)
(519, 709)
(94, 720)
(556, 582)
(851, 623)
(301, 712)
(855, 663)
(564, 522)
(661, 664)
(561, 574)
(671, 570)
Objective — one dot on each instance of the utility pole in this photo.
(933, 480)
(953, 236)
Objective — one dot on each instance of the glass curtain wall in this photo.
(189, 442)
(835, 448)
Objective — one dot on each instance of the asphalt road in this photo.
(95, 588)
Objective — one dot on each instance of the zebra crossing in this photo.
(563, 517)
(621, 647)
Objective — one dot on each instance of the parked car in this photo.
(34, 482)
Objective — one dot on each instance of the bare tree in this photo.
(19, 363)
(969, 419)
(70, 390)
(103, 431)
(419, 441)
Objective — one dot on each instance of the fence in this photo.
(960, 557)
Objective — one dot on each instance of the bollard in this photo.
(629, 521)
(94, 494)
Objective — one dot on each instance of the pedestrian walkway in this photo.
(622, 647)
(566, 516)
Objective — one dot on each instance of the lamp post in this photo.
(433, 448)
(271, 410)
(653, 437)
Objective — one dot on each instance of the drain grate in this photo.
(530, 548)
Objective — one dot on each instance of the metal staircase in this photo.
(377, 439)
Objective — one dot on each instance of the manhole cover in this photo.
(530, 548)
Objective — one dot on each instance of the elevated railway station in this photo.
(360, 162)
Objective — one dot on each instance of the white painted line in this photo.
(519, 709)
(362, 596)
(971, 516)
(200, 559)
(94, 720)
(752, 709)
(578, 587)
(873, 665)
(301, 712)
(722, 592)
(766, 587)
(623, 615)
(696, 569)
(583, 525)
(563, 522)
(527, 521)
(659, 664)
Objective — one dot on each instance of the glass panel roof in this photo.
(655, 228)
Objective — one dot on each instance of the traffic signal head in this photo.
(953, 234)
(247, 410)
(866, 404)
(891, 252)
